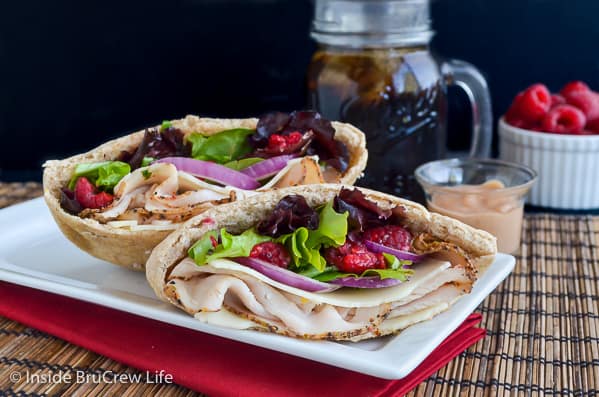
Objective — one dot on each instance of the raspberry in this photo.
(587, 101)
(273, 253)
(294, 138)
(280, 143)
(534, 103)
(354, 257)
(573, 87)
(593, 126)
(564, 119)
(557, 99)
(276, 141)
(516, 122)
(390, 236)
(86, 195)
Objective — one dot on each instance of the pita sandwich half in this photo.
(319, 262)
(119, 200)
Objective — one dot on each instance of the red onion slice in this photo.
(399, 254)
(268, 167)
(285, 276)
(214, 172)
(366, 282)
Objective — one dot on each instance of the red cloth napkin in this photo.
(207, 363)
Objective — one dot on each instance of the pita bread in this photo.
(167, 278)
(132, 248)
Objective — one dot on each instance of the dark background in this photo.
(74, 74)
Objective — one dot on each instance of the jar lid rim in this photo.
(375, 39)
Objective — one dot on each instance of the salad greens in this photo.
(291, 213)
(322, 132)
(165, 125)
(205, 249)
(105, 175)
(400, 274)
(221, 148)
(147, 161)
(312, 272)
(304, 244)
(332, 228)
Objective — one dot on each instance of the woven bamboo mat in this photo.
(12, 193)
(542, 322)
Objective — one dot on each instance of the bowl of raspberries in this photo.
(556, 134)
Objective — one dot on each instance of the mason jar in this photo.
(373, 68)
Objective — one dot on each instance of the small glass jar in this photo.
(373, 69)
(486, 194)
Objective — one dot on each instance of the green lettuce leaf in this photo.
(203, 247)
(304, 245)
(331, 275)
(220, 148)
(197, 141)
(243, 163)
(231, 246)
(312, 272)
(303, 254)
(166, 124)
(147, 161)
(332, 228)
(400, 274)
(394, 263)
(105, 175)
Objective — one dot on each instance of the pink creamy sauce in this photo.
(485, 207)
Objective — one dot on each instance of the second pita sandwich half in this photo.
(319, 262)
(118, 201)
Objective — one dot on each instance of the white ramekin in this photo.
(568, 165)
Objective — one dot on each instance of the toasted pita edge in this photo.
(129, 248)
(239, 216)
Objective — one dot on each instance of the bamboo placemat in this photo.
(12, 193)
(542, 322)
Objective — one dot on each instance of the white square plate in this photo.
(35, 254)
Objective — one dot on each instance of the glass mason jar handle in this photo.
(469, 79)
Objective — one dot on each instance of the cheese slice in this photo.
(227, 319)
(396, 324)
(122, 223)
